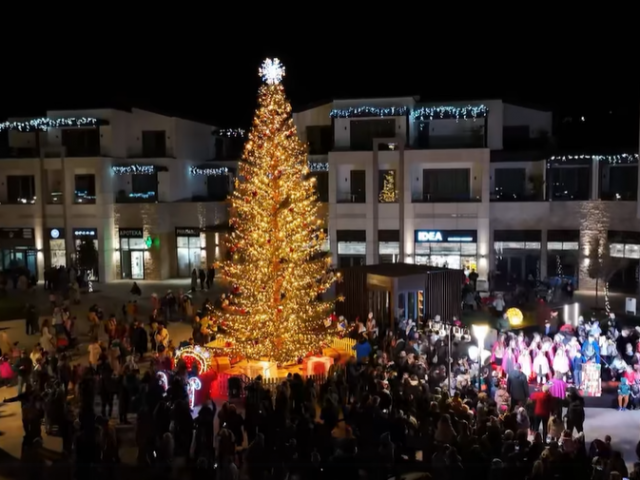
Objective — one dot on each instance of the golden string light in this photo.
(276, 245)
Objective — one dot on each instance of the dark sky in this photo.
(208, 70)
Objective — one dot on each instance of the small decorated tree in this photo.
(388, 194)
(277, 263)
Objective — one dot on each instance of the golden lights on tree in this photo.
(389, 194)
(276, 245)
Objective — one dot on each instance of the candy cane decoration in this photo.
(193, 385)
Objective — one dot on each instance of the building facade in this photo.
(468, 185)
(146, 189)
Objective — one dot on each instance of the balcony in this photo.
(499, 195)
(422, 197)
(351, 198)
(448, 142)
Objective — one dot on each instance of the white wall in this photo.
(537, 120)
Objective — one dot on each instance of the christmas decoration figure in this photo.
(276, 245)
(388, 194)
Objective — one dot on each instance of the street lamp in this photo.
(480, 333)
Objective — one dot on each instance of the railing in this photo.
(351, 198)
(135, 197)
(431, 198)
(516, 197)
(444, 142)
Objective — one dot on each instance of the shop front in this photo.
(625, 246)
(563, 255)
(191, 245)
(456, 249)
(86, 251)
(57, 247)
(352, 248)
(132, 252)
(517, 256)
(18, 250)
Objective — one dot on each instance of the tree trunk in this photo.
(597, 281)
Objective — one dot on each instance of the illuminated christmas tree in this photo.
(389, 194)
(277, 262)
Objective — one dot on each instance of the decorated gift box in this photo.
(316, 365)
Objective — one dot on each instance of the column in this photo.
(543, 253)
(595, 179)
(372, 209)
(484, 248)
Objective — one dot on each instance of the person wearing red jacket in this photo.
(542, 410)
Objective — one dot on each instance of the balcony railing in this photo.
(444, 142)
(503, 196)
(438, 198)
(83, 197)
(351, 198)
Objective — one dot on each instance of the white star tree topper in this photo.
(271, 71)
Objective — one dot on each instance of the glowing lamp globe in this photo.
(515, 317)
(473, 352)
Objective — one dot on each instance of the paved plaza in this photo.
(624, 427)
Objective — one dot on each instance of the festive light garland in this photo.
(355, 112)
(201, 354)
(193, 386)
(448, 112)
(146, 195)
(209, 171)
(559, 269)
(134, 169)
(612, 159)
(271, 71)
(231, 133)
(318, 166)
(389, 194)
(45, 124)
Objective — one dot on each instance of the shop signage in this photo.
(428, 236)
(85, 232)
(17, 233)
(452, 236)
(54, 233)
(130, 232)
(187, 232)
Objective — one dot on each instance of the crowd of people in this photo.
(408, 401)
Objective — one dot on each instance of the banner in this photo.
(591, 384)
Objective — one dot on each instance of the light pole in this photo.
(480, 333)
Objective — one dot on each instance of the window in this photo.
(145, 185)
(218, 187)
(53, 179)
(619, 182)
(154, 143)
(320, 139)
(21, 189)
(446, 184)
(510, 183)
(387, 185)
(364, 131)
(322, 185)
(85, 188)
(358, 186)
(81, 142)
(569, 183)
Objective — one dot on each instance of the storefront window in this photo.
(448, 249)
(389, 252)
(58, 253)
(191, 251)
(132, 257)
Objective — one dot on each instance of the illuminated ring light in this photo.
(164, 380)
(515, 317)
(198, 354)
(192, 387)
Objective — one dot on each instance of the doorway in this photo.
(137, 265)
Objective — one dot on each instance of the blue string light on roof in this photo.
(356, 112)
(45, 124)
(468, 112)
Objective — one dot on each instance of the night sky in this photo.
(213, 78)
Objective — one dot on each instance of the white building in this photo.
(466, 184)
(142, 186)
